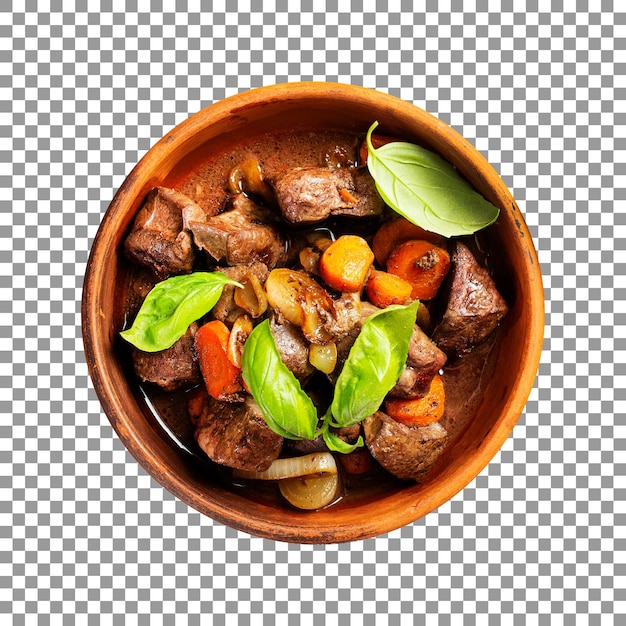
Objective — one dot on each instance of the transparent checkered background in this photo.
(87, 536)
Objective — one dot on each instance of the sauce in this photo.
(207, 184)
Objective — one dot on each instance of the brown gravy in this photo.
(207, 184)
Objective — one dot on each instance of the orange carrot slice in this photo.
(384, 289)
(221, 377)
(344, 265)
(419, 411)
(421, 263)
(394, 232)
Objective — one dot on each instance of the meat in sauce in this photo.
(311, 191)
(158, 240)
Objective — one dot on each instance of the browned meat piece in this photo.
(328, 320)
(239, 236)
(474, 306)
(311, 194)
(297, 297)
(464, 379)
(298, 447)
(344, 344)
(405, 452)
(172, 368)
(369, 201)
(140, 282)
(157, 239)
(349, 434)
(293, 348)
(347, 313)
(236, 435)
(226, 310)
(424, 360)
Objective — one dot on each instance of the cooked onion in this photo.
(283, 293)
(317, 463)
(318, 314)
(323, 358)
(247, 177)
(251, 298)
(239, 333)
(302, 302)
(320, 239)
(310, 259)
(310, 492)
(310, 255)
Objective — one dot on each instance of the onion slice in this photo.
(323, 358)
(315, 464)
(310, 492)
(251, 298)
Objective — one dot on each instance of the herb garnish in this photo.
(372, 368)
(171, 306)
(374, 364)
(287, 410)
(426, 189)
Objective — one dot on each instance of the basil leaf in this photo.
(374, 364)
(288, 411)
(426, 189)
(335, 444)
(171, 306)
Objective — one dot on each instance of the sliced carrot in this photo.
(347, 196)
(394, 232)
(221, 377)
(196, 401)
(421, 263)
(419, 411)
(384, 289)
(344, 265)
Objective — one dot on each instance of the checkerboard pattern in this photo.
(87, 536)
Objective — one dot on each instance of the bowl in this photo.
(314, 106)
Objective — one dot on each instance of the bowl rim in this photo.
(432, 495)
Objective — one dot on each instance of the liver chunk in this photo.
(157, 239)
(236, 435)
(474, 306)
(171, 369)
(309, 195)
(406, 452)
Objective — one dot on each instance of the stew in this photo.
(290, 324)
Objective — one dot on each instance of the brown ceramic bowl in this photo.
(316, 106)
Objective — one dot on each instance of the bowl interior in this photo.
(312, 106)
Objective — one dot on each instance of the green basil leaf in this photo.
(287, 409)
(427, 190)
(374, 364)
(335, 444)
(171, 306)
